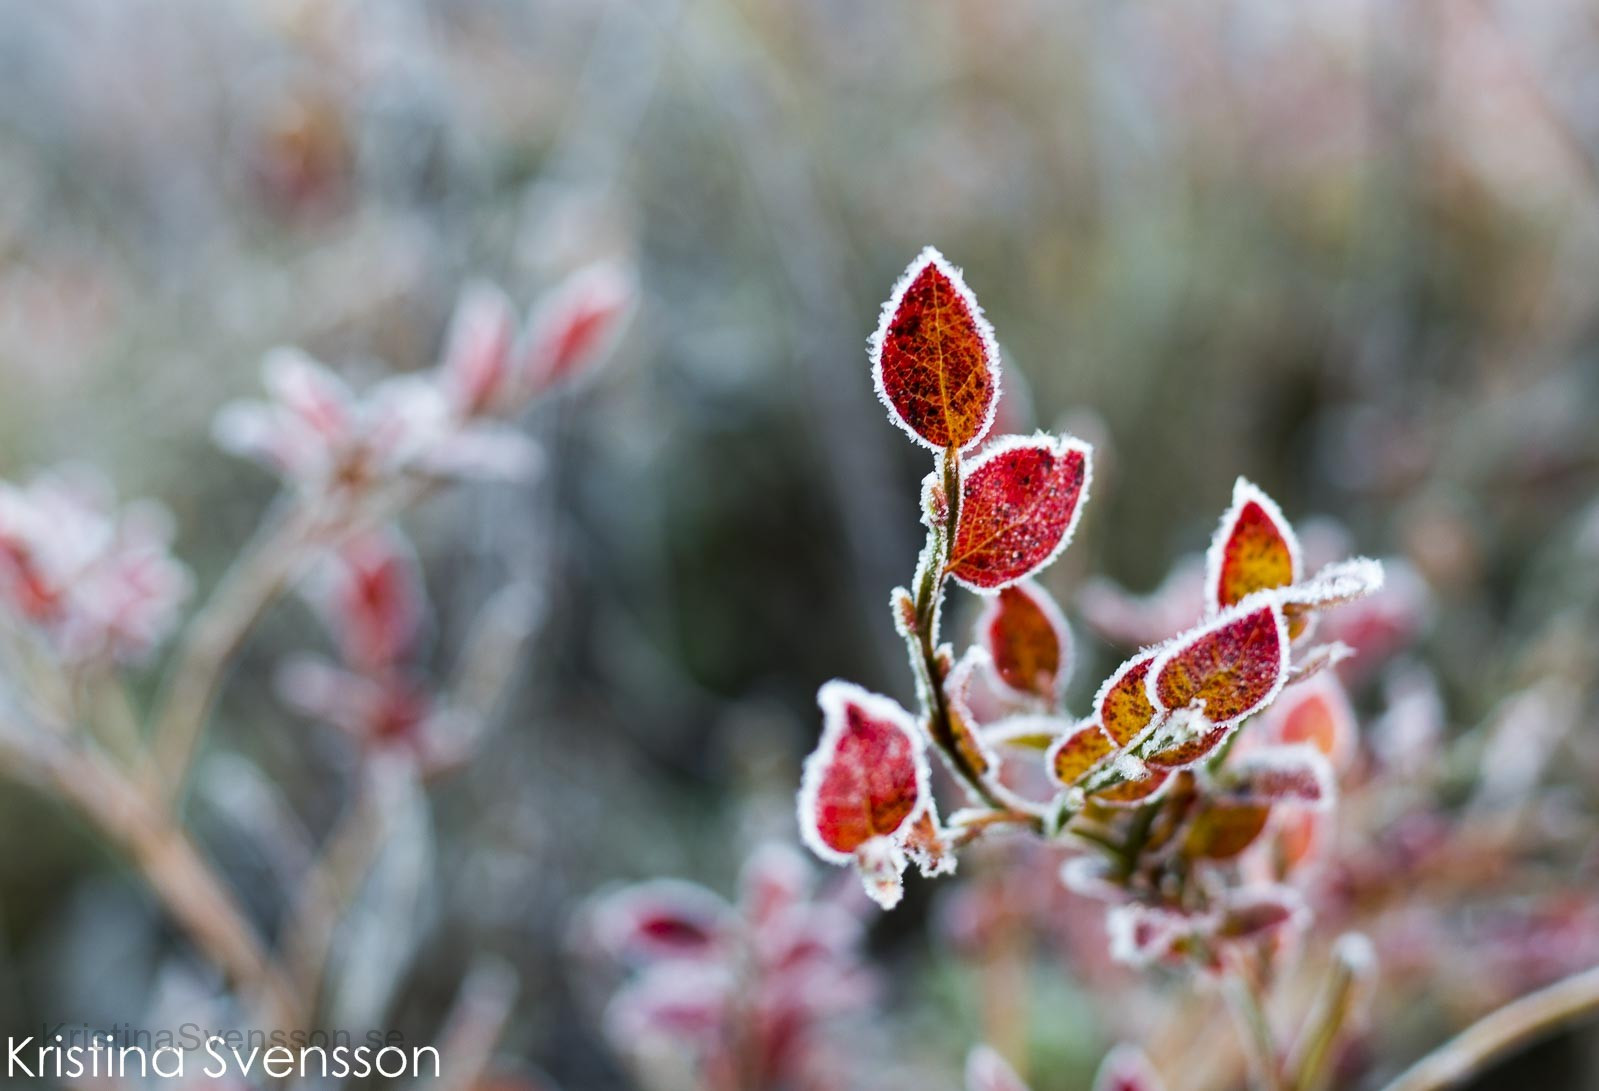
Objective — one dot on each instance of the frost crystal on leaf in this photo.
(881, 863)
(934, 361)
(863, 784)
(1020, 501)
(1027, 640)
(1255, 549)
(928, 846)
(1338, 583)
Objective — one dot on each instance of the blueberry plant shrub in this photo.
(90, 591)
(1213, 793)
(1165, 779)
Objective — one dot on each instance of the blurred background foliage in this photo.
(1344, 247)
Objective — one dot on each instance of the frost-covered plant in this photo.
(88, 590)
(1156, 778)
(722, 996)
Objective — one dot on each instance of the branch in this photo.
(1512, 1027)
(213, 637)
(166, 858)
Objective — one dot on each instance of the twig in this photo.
(165, 857)
(1336, 1003)
(931, 576)
(475, 1024)
(1512, 1027)
(213, 637)
(327, 889)
(1254, 1029)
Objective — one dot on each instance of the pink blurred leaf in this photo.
(1133, 620)
(372, 598)
(1225, 828)
(1250, 913)
(576, 325)
(1317, 712)
(1293, 774)
(986, 1070)
(1141, 935)
(671, 1002)
(660, 919)
(1125, 1068)
(476, 372)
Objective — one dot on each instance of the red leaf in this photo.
(986, 1070)
(1026, 639)
(1135, 789)
(1232, 666)
(963, 726)
(1254, 549)
(373, 599)
(934, 360)
(867, 777)
(1020, 501)
(1317, 712)
(1075, 755)
(1123, 701)
(476, 374)
(575, 326)
(1252, 913)
(661, 918)
(311, 396)
(1125, 1068)
(1223, 830)
(1295, 773)
(1143, 934)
